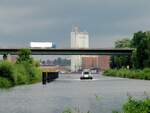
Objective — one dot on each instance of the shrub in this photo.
(5, 83)
(146, 73)
(7, 71)
(22, 75)
(110, 72)
(16, 74)
(33, 73)
(137, 106)
(126, 73)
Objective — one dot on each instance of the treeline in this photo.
(59, 61)
(24, 71)
(138, 64)
(141, 55)
(62, 62)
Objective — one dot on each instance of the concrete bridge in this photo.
(93, 51)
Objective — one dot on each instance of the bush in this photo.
(22, 75)
(7, 71)
(126, 73)
(137, 106)
(110, 72)
(16, 74)
(27, 73)
(146, 73)
(5, 83)
(34, 73)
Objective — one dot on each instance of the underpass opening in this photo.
(95, 60)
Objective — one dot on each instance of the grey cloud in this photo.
(22, 21)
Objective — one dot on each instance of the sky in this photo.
(23, 21)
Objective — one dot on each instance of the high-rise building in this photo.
(78, 40)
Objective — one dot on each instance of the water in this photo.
(101, 95)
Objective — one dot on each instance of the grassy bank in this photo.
(12, 74)
(126, 73)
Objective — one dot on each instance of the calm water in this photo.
(101, 95)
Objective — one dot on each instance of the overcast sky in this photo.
(22, 21)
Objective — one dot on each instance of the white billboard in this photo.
(41, 44)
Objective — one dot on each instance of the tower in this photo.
(78, 40)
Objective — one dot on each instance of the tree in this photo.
(140, 56)
(147, 50)
(121, 61)
(124, 43)
(141, 41)
(24, 56)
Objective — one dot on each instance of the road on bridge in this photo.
(101, 95)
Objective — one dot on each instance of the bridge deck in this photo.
(98, 51)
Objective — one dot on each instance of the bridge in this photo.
(52, 51)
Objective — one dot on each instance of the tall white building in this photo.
(78, 40)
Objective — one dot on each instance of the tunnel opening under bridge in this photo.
(75, 60)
